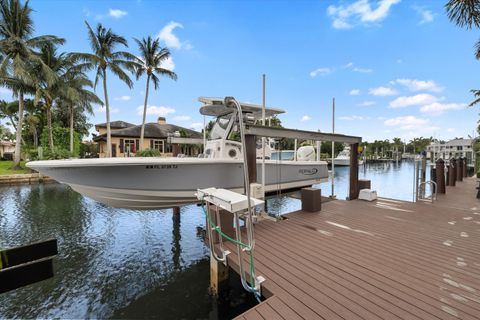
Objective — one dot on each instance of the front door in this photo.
(114, 150)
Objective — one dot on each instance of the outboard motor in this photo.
(306, 153)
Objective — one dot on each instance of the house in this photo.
(458, 147)
(126, 138)
(7, 149)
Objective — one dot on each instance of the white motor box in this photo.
(256, 191)
(368, 195)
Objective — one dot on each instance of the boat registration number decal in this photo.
(163, 166)
(308, 172)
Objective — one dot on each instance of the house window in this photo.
(158, 145)
(130, 146)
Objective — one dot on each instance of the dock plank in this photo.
(383, 260)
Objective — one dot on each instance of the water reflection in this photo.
(125, 263)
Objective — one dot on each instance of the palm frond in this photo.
(464, 13)
(117, 70)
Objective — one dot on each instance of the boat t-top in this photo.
(162, 182)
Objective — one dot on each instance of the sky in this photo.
(396, 68)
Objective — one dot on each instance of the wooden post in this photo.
(251, 150)
(176, 210)
(452, 172)
(353, 194)
(218, 276)
(440, 175)
(460, 169)
(175, 149)
(465, 168)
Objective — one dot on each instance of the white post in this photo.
(333, 148)
(204, 134)
(319, 147)
(295, 151)
(263, 138)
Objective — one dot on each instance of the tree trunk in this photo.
(107, 112)
(71, 130)
(18, 138)
(49, 124)
(35, 136)
(142, 131)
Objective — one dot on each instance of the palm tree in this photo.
(16, 47)
(466, 13)
(104, 57)
(47, 90)
(76, 96)
(150, 62)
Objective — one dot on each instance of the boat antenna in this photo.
(333, 148)
(263, 138)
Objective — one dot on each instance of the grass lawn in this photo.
(6, 168)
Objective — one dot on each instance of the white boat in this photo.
(343, 158)
(150, 183)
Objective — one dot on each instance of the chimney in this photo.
(161, 120)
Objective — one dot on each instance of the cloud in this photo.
(117, 13)
(170, 39)
(382, 91)
(451, 129)
(168, 64)
(366, 104)
(155, 110)
(198, 126)
(305, 118)
(359, 13)
(182, 118)
(406, 122)
(320, 71)
(436, 108)
(5, 91)
(352, 118)
(103, 109)
(123, 98)
(419, 85)
(416, 100)
(426, 15)
(362, 70)
(354, 92)
(350, 65)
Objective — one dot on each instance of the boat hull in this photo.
(150, 183)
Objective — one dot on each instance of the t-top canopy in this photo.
(215, 107)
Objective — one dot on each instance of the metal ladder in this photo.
(247, 213)
(421, 183)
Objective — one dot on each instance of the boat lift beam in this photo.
(262, 131)
(252, 131)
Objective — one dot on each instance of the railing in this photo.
(433, 187)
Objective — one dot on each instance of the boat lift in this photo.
(244, 205)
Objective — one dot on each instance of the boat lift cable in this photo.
(248, 247)
(239, 243)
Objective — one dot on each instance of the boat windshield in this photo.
(220, 127)
(283, 155)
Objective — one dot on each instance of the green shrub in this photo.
(88, 150)
(56, 154)
(148, 153)
(61, 141)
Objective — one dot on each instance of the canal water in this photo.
(116, 263)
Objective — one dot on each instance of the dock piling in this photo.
(465, 168)
(218, 276)
(452, 172)
(354, 190)
(460, 169)
(440, 175)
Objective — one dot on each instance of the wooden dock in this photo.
(383, 260)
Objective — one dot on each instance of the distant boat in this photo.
(149, 183)
(343, 158)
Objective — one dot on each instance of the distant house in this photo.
(126, 138)
(7, 149)
(454, 148)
